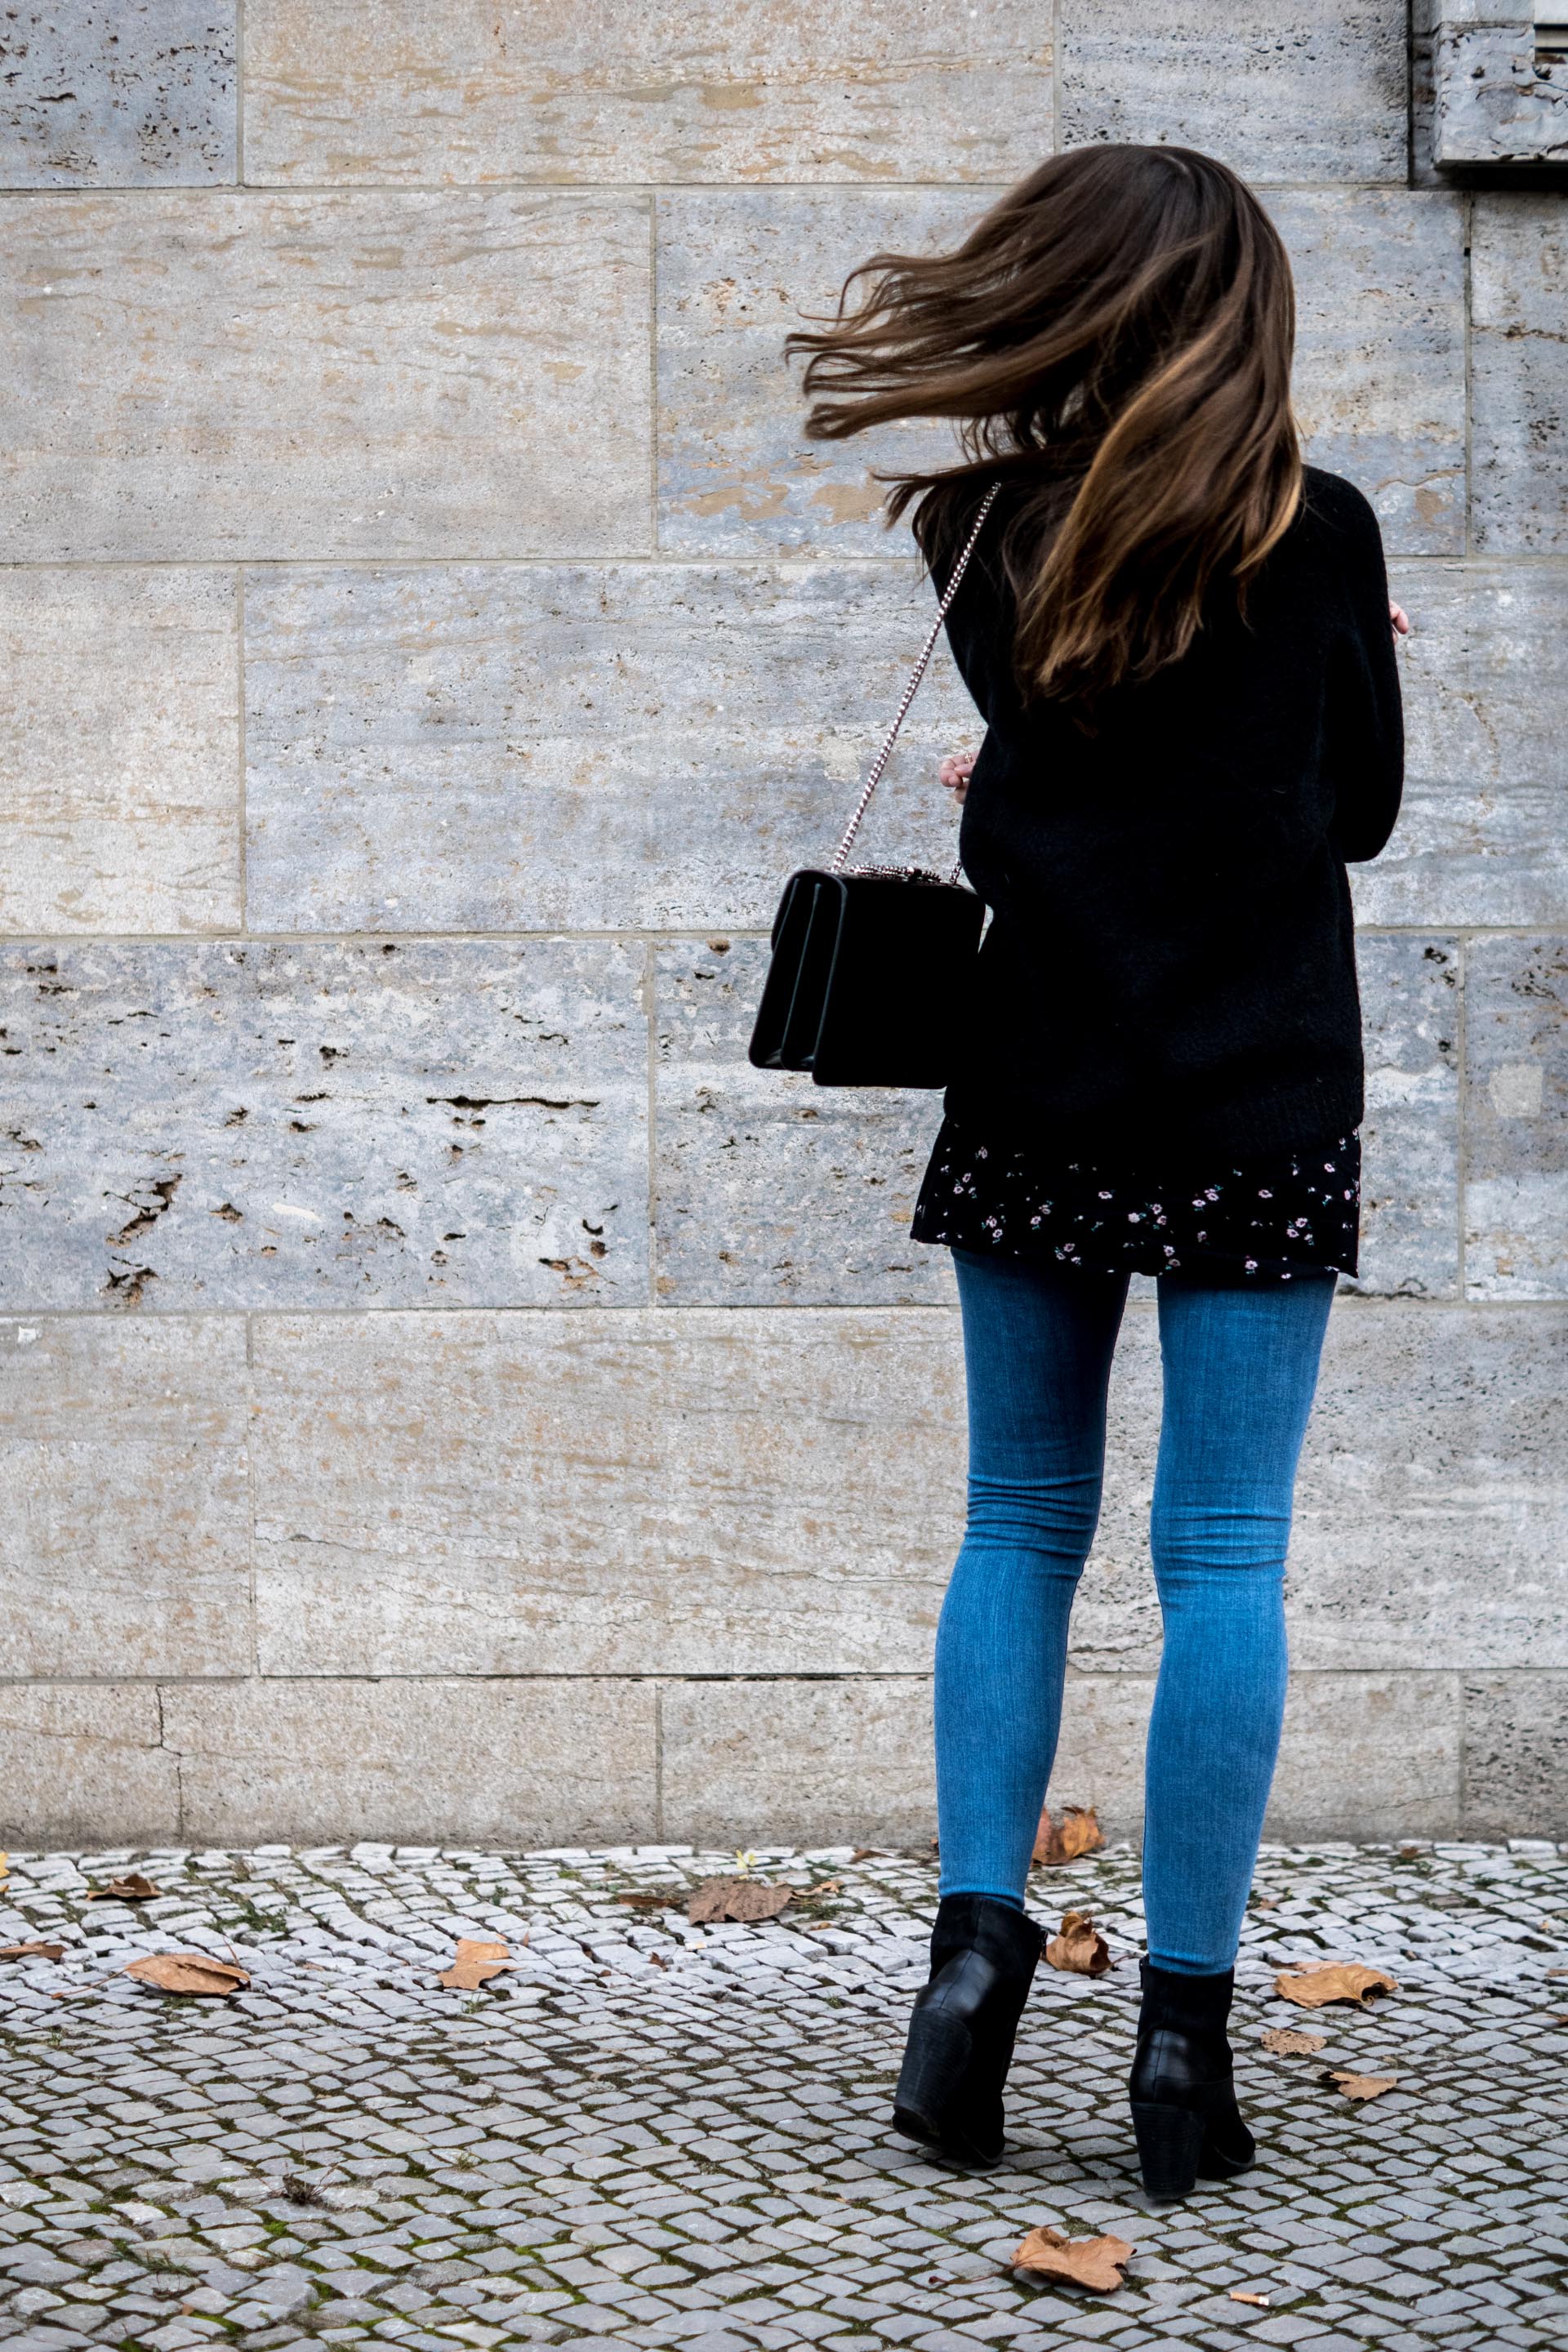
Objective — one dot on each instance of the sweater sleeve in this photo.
(1365, 728)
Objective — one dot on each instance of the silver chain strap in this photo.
(874, 776)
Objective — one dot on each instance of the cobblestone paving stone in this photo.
(657, 2135)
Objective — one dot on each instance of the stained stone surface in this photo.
(125, 1539)
(1316, 93)
(120, 751)
(448, 90)
(739, 269)
(379, 374)
(1518, 374)
(1380, 334)
(628, 745)
(1517, 1748)
(126, 93)
(84, 1756)
(651, 2133)
(1480, 836)
(1379, 377)
(242, 1124)
(1516, 1190)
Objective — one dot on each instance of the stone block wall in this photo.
(446, 1392)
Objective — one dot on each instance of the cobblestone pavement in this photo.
(653, 2134)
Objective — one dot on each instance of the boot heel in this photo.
(935, 2064)
(1170, 2143)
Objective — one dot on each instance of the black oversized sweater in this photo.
(1169, 966)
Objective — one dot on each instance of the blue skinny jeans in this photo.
(1240, 1367)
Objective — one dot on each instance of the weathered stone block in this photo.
(81, 1764)
(1363, 1756)
(628, 745)
(1480, 836)
(243, 1124)
(140, 94)
(119, 751)
(1519, 375)
(461, 89)
(1319, 95)
(738, 269)
(1380, 345)
(769, 1188)
(816, 1763)
(1516, 1099)
(1430, 1518)
(1410, 1138)
(664, 1492)
(1379, 379)
(1516, 1755)
(514, 1763)
(125, 1544)
(212, 375)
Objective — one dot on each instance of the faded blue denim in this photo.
(1240, 1367)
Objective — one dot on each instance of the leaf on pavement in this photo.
(737, 1898)
(473, 1964)
(32, 1951)
(1334, 1981)
(131, 1888)
(1240, 2294)
(189, 1972)
(1078, 1833)
(1080, 1948)
(1359, 2086)
(1094, 2262)
(1285, 2043)
(642, 1898)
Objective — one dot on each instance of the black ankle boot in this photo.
(1183, 2101)
(983, 1957)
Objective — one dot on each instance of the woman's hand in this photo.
(956, 770)
(1400, 620)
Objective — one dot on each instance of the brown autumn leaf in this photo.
(737, 1898)
(1080, 1948)
(1359, 2086)
(1285, 2042)
(473, 1964)
(647, 1899)
(131, 1888)
(1334, 1981)
(1094, 2262)
(1240, 2294)
(32, 1951)
(188, 1972)
(1078, 1833)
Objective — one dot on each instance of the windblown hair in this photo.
(1114, 342)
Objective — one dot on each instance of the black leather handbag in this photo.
(871, 965)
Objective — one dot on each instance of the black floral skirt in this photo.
(1264, 1218)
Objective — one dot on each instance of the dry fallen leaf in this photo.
(473, 1964)
(131, 1888)
(1080, 1948)
(737, 1898)
(1239, 2295)
(1359, 2086)
(1094, 2262)
(1078, 1833)
(31, 1951)
(193, 1973)
(1335, 1980)
(645, 1899)
(1285, 2042)
(823, 1887)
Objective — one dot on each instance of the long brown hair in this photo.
(1114, 339)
